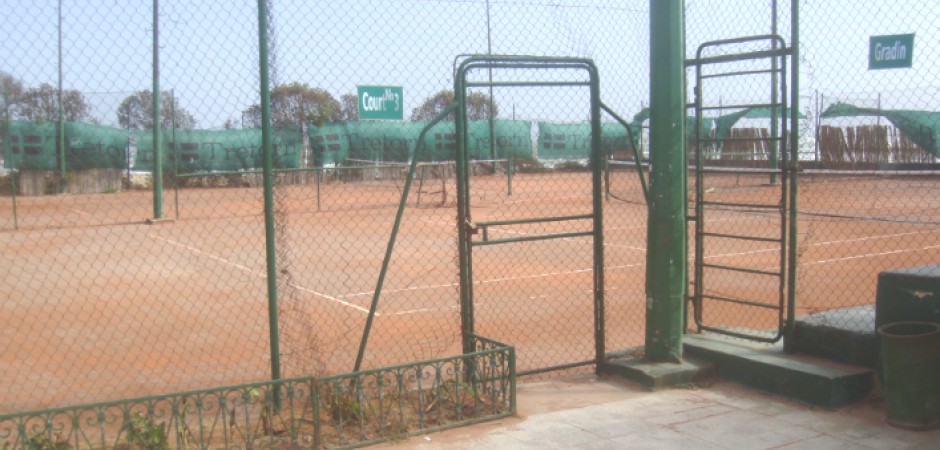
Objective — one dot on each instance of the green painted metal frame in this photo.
(465, 225)
(636, 153)
(340, 411)
(779, 139)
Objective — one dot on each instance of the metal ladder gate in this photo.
(743, 249)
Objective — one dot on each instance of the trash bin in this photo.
(910, 365)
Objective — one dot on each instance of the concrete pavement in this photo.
(589, 413)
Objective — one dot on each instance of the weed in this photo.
(144, 433)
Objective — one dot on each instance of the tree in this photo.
(350, 107)
(296, 103)
(11, 89)
(136, 112)
(477, 105)
(42, 104)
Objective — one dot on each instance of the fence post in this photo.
(157, 141)
(6, 153)
(268, 169)
(666, 260)
(793, 170)
(61, 125)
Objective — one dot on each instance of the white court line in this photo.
(870, 255)
(492, 280)
(818, 244)
(260, 274)
(81, 212)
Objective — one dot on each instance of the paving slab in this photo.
(587, 412)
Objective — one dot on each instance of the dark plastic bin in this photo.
(910, 363)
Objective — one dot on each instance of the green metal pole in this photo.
(6, 153)
(176, 155)
(666, 259)
(794, 166)
(464, 250)
(775, 146)
(157, 135)
(61, 128)
(598, 166)
(268, 169)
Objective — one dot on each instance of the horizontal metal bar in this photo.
(743, 269)
(742, 106)
(743, 238)
(528, 83)
(543, 237)
(740, 73)
(741, 139)
(554, 368)
(760, 54)
(750, 337)
(740, 301)
(747, 170)
(742, 205)
(535, 220)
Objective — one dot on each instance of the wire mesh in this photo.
(106, 297)
(865, 183)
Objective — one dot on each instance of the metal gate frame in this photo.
(787, 171)
(467, 228)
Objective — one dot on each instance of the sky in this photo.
(209, 49)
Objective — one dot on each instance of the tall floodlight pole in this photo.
(157, 141)
(666, 259)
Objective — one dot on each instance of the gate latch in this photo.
(471, 227)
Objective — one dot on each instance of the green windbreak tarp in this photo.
(394, 141)
(386, 141)
(724, 124)
(513, 139)
(95, 147)
(922, 127)
(329, 143)
(644, 115)
(573, 140)
(32, 146)
(218, 150)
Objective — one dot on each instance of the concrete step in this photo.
(806, 378)
(844, 335)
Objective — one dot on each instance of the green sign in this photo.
(890, 52)
(380, 103)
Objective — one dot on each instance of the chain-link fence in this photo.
(867, 154)
(115, 289)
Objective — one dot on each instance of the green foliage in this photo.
(344, 406)
(143, 433)
(478, 105)
(42, 442)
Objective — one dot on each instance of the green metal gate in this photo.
(518, 235)
(743, 210)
